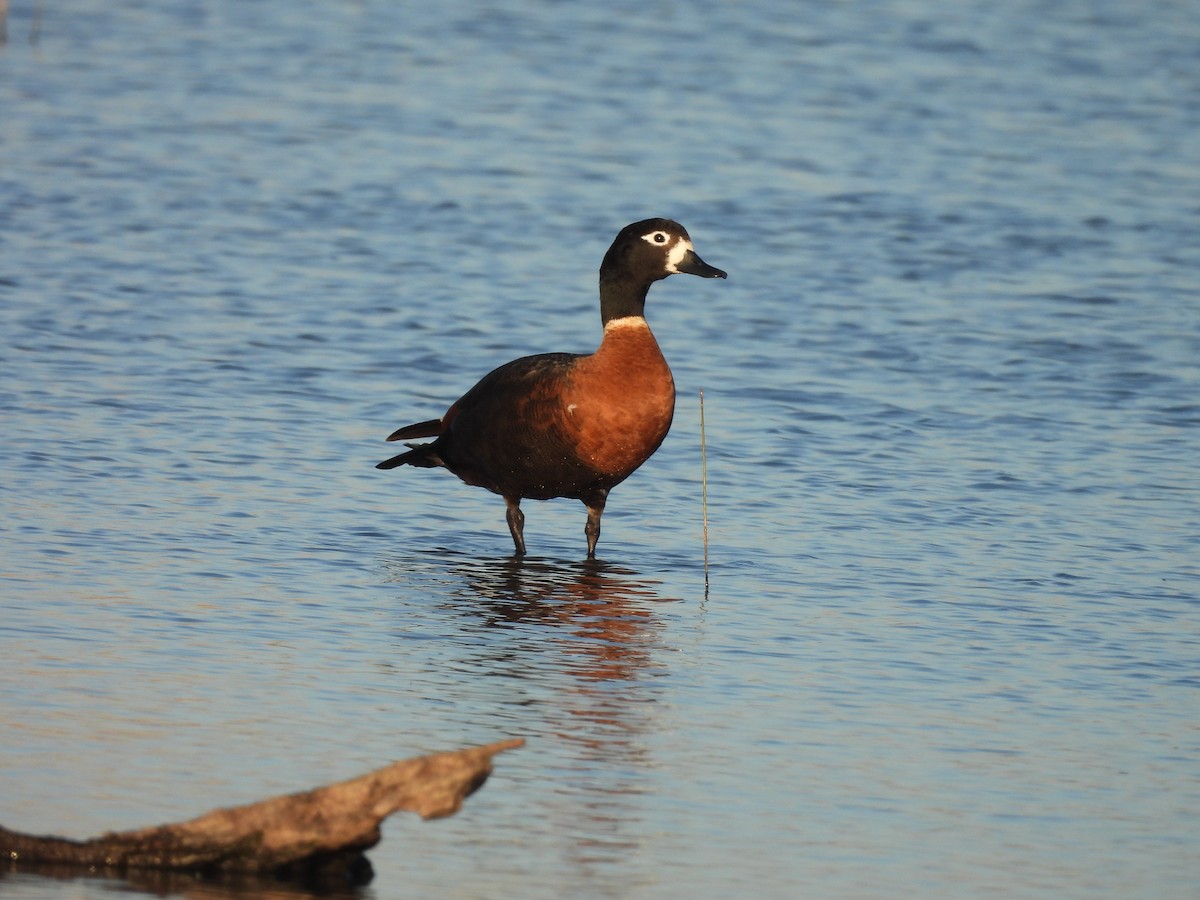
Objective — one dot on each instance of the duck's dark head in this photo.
(641, 254)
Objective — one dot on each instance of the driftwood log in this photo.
(321, 833)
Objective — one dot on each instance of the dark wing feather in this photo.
(512, 376)
(422, 456)
(517, 378)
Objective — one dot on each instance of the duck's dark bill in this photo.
(694, 265)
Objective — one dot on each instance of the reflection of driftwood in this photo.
(327, 828)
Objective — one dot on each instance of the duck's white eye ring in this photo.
(656, 237)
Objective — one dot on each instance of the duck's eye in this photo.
(656, 237)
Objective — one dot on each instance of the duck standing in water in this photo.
(570, 424)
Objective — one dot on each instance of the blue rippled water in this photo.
(948, 643)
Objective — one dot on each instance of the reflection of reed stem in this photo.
(35, 29)
(704, 488)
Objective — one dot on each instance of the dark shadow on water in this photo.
(338, 884)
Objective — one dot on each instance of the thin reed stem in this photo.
(704, 487)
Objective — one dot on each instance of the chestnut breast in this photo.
(618, 402)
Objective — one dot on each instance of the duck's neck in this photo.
(621, 297)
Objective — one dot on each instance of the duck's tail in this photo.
(421, 455)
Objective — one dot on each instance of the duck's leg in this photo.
(595, 507)
(516, 523)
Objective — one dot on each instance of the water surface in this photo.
(948, 644)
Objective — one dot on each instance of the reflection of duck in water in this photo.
(521, 611)
(590, 634)
(569, 424)
(602, 617)
(566, 655)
